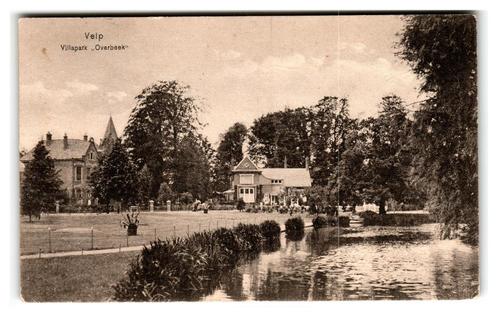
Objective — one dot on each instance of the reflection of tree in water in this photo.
(271, 245)
(284, 286)
(319, 288)
(456, 278)
(295, 236)
(232, 284)
(321, 240)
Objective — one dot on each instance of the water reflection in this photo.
(360, 263)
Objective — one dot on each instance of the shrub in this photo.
(294, 225)
(228, 242)
(250, 237)
(270, 229)
(241, 205)
(319, 222)
(205, 240)
(168, 269)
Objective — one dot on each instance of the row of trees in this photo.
(352, 160)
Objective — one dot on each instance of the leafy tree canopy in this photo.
(441, 50)
(164, 113)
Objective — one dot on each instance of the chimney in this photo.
(66, 144)
(85, 137)
(285, 161)
(49, 138)
(307, 163)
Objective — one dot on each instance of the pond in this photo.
(359, 263)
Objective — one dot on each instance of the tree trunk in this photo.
(382, 207)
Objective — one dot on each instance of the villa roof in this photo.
(76, 149)
(246, 165)
(292, 177)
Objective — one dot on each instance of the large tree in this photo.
(194, 171)
(116, 179)
(145, 185)
(388, 157)
(441, 50)
(41, 183)
(348, 180)
(280, 137)
(164, 113)
(329, 125)
(229, 153)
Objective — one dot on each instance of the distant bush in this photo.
(371, 218)
(294, 225)
(342, 221)
(319, 222)
(250, 237)
(283, 209)
(164, 194)
(185, 198)
(223, 207)
(241, 205)
(270, 229)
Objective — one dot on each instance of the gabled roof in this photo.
(292, 177)
(76, 149)
(246, 165)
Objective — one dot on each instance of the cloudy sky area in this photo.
(238, 67)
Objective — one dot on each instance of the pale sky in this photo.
(238, 68)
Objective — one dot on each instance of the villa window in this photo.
(88, 172)
(78, 173)
(246, 179)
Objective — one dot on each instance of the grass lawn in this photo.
(74, 278)
(70, 232)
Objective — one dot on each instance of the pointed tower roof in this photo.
(110, 136)
(110, 131)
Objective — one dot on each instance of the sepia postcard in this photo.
(249, 157)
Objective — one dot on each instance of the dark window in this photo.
(88, 172)
(78, 173)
